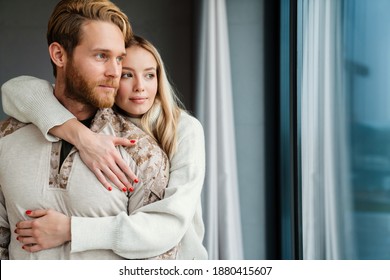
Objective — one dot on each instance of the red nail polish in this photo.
(17, 238)
(28, 212)
(23, 247)
(124, 189)
(131, 189)
(109, 189)
(132, 141)
(136, 180)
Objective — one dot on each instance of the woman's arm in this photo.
(157, 227)
(30, 99)
(5, 231)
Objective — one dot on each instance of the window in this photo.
(345, 132)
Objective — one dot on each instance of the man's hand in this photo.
(49, 229)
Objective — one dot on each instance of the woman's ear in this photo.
(57, 54)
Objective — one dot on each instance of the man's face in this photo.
(92, 74)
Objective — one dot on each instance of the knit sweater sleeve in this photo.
(31, 100)
(4, 229)
(157, 227)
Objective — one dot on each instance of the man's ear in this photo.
(57, 54)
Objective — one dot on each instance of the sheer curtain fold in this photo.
(326, 202)
(214, 108)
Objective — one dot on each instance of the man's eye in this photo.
(101, 56)
(119, 59)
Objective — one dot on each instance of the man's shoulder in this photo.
(123, 127)
(151, 162)
(9, 126)
(127, 129)
(147, 150)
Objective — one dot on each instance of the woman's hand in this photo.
(49, 229)
(98, 152)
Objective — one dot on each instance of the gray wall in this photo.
(169, 24)
(23, 48)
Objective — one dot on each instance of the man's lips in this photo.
(108, 87)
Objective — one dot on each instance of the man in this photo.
(86, 45)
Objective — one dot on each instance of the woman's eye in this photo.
(126, 75)
(150, 76)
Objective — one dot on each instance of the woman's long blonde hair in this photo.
(161, 121)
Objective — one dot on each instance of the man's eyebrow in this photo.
(106, 51)
(101, 50)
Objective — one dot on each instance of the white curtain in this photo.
(326, 195)
(214, 108)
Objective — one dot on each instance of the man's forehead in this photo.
(102, 35)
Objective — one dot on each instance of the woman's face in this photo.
(138, 85)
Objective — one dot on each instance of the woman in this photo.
(146, 97)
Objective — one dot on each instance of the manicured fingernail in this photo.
(109, 189)
(23, 247)
(17, 238)
(28, 212)
(131, 189)
(15, 231)
(124, 190)
(136, 180)
(132, 141)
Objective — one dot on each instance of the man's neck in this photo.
(79, 110)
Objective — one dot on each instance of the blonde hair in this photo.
(161, 121)
(68, 16)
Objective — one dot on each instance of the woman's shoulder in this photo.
(191, 139)
(188, 123)
(186, 118)
(190, 130)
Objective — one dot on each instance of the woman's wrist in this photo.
(73, 132)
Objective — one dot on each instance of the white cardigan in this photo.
(151, 229)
